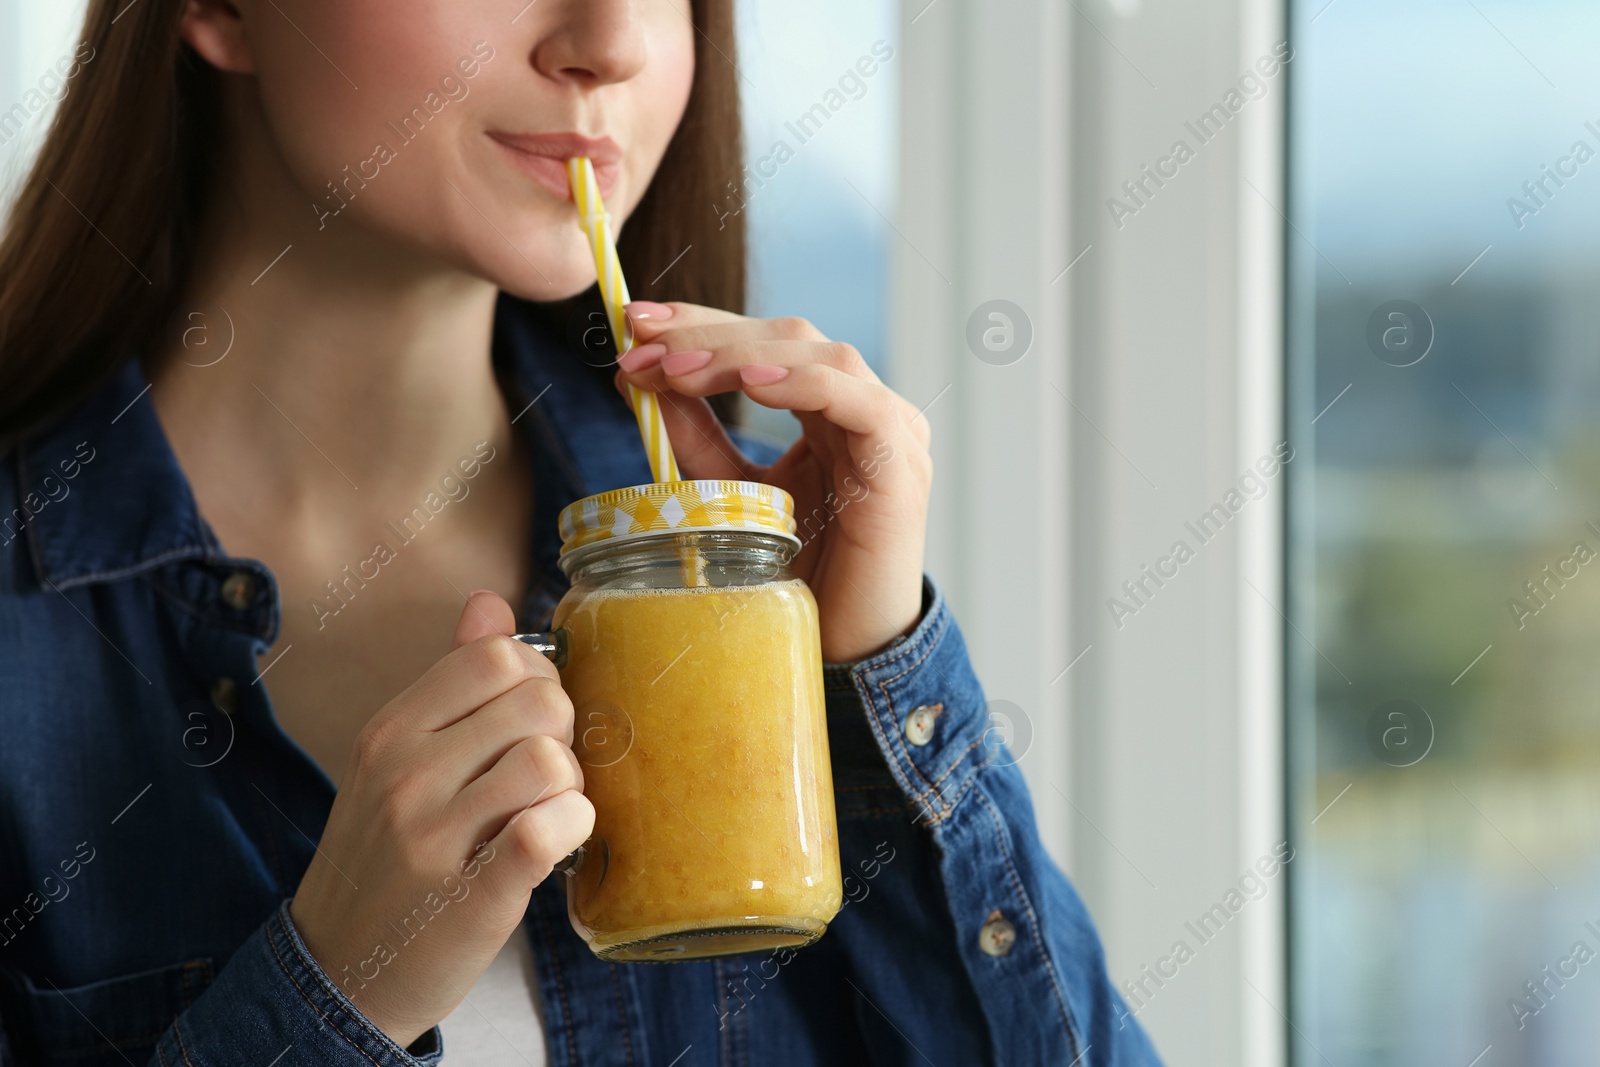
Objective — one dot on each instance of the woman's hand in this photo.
(859, 474)
(461, 795)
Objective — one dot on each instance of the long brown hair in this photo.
(101, 235)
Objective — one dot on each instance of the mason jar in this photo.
(693, 659)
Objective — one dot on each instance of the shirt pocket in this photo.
(113, 1021)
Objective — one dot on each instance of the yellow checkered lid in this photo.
(663, 507)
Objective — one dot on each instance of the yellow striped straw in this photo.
(614, 292)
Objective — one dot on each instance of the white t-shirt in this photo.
(499, 1024)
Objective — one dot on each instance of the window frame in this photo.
(1006, 106)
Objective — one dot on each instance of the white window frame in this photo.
(1157, 760)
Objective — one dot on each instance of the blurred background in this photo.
(1378, 260)
(1436, 889)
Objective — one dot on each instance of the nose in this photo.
(593, 42)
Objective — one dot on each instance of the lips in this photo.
(543, 157)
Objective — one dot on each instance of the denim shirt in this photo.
(155, 819)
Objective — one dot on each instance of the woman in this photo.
(286, 268)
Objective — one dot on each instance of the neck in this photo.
(384, 375)
(353, 361)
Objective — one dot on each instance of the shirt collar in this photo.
(108, 500)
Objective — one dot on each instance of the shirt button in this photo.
(919, 723)
(997, 935)
(239, 590)
(225, 695)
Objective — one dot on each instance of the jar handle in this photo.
(594, 850)
(552, 643)
(570, 863)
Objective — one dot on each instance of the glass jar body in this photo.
(693, 660)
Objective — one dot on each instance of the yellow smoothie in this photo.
(701, 730)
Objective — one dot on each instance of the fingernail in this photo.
(642, 357)
(685, 362)
(475, 592)
(762, 374)
(647, 309)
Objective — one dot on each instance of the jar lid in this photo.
(667, 507)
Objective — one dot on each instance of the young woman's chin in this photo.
(556, 268)
(460, 199)
(523, 245)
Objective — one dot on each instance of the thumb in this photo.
(485, 613)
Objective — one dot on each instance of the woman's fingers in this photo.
(468, 677)
(523, 849)
(706, 372)
(470, 747)
(685, 353)
(691, 328)
(843, 399)
(650, 320)
(721, 334)
(486, 613)
(529, 774)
